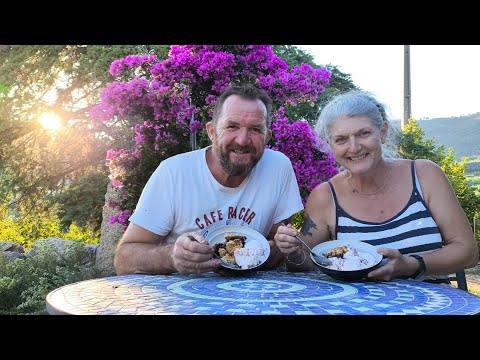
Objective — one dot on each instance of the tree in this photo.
(412, 146)
(78, 204)
(66, 79)
(339, 83)
(293, 56)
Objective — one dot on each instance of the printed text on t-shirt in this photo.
(244, 214)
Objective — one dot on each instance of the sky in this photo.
(445, 79)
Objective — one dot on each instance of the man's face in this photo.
(241, 134)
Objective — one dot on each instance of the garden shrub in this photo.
(29, 229)
(24, 284)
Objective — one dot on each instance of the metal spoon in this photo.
(319, 258)
(215, 255)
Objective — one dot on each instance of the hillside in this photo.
(461, 133)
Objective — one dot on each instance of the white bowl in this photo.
(347, 275)
(218, 236)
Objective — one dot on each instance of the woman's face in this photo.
(357, 143)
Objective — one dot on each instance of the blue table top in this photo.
(260, 293)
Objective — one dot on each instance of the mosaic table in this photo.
(261, 293)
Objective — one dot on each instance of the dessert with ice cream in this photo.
(250, 255)
(346, 258)
(236, 250)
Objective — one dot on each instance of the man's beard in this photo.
(235, 169)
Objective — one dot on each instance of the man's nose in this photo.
(243, 137)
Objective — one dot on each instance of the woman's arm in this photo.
(314, 230)
(319, 216)
(460, 250)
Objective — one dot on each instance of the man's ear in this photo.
(210, 130)
(268, 136)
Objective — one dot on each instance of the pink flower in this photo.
(160, 98)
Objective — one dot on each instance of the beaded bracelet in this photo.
(300, 263)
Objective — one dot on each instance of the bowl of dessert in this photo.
(241, 248)
(350, 260)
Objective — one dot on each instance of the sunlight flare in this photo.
(50, 121)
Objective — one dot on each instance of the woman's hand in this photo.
(193, 256)
(286, 241)
(397, 265)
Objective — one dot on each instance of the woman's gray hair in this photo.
(357, 103)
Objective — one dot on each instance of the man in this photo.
(235, 180)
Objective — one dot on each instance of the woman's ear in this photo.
(384, 132)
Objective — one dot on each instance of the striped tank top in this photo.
(412, 231)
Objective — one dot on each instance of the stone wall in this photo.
(110, 235)
(61, 247)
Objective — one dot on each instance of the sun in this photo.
(50, 121)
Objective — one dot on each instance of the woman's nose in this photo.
(354, 144)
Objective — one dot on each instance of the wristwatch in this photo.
(421, 268)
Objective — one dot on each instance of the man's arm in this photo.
(143, 252)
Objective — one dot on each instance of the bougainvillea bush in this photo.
(165, 102)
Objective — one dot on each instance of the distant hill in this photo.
(461, 133)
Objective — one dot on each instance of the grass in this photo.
(474, 288)
(473, 280)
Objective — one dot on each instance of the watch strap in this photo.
(421, 268)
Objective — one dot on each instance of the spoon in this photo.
(215, 255)
(319, 258)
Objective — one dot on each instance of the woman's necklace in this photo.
(387, 180)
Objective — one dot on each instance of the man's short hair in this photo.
(246, 91)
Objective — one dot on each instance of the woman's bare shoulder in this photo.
(320, 198)
(320, 209)
(433, 179)
(323, 189)
(427, 168)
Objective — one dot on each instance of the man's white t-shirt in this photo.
(182, 196)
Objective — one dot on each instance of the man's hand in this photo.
(276, 257)
(193, 256)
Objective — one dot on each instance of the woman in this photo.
(407, 209)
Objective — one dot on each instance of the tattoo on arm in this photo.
(307, 225)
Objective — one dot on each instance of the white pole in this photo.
(407, 96)
(193, 136)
